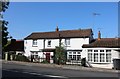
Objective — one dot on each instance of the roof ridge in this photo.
(64, 30)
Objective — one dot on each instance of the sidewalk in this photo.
(63, 66)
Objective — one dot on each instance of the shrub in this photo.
(45, 62)
(21, 58)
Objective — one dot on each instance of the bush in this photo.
(21, 58)
(45, 62)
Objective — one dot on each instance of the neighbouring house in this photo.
(15, 47)
(102, 51)
(41, 45)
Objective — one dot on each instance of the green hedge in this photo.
(21, 58)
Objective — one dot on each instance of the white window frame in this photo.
(108, 57)
(34, 43)
(67, 42)
(102, 57)
(90, 50)
(95, 57)
(49, 43)
(90, 57)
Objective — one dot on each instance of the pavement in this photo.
(73, 67)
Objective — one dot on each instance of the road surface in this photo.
(20, 71)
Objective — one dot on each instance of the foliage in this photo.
(45, 62)
(4, 5)
(60, 55)
(3, 24)
(21, 58)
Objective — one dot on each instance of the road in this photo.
(20, 71)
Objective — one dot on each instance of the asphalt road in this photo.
(17, 71)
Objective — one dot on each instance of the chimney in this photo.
(99, 35)
(57, 29)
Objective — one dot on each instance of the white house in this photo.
(102, 51)
(41, 45)
(79, 44)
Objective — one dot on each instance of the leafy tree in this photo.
(60, 55)
(3, 24)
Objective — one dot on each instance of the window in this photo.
(78, 57)
(78, 52)
(108, 57)
(70, 52)
(95, 50)
(34, 42)
(101, 50)
(74, 52)
(102, 57)
(70, 57)
(89, 50)
(49, 43)
(67, 41)
(95, 57)
(74, 57)
(108, 50)
(89, 56)
(26, 42)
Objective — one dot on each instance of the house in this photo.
(15, 47)
(41, 45)
(102, 51)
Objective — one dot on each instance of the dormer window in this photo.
(34, 42)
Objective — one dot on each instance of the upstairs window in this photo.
(34, 42)
(49, 42)
(67, 42)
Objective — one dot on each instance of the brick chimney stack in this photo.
(57, 29)
(99, 35)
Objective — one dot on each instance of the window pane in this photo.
(78, 52)
(78, 57)
(89, 50)
(70, 52)
(49, 43)
(67, 41)
(95, 50)
(70, 57)
(108, 50)
(34, 42)
(74, 52)
(74, 57)
(95, 57)
(102, 57)
(101, 50)
(89, 56)
(108, 57)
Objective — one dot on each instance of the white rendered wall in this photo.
(76, 43)
(114, 55)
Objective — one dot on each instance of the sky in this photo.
(27, 17)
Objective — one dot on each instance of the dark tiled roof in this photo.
(15, 46)
(104, 42)
(62, 34)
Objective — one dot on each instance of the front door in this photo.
(48, 57)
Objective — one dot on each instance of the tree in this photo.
(60, 55)
(3, 24)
